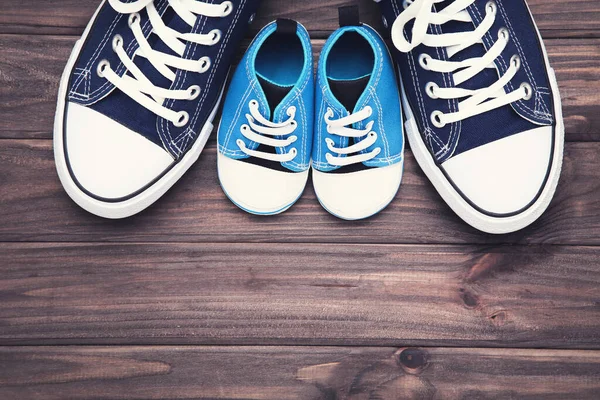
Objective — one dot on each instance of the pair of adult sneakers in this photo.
(275, 122)
(481, 104)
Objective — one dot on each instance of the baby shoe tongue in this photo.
(273, 93)
(348, 92)
(486, 77)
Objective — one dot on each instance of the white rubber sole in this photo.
(138, 203)
(475, 218)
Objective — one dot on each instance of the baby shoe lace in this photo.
(340, 127)
(137, 85)
(475, 101)
(261, 130)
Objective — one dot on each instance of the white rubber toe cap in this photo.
(505, 176)
(259, 190)
(358, 195)
(107, 159)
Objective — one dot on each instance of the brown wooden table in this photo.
(196, 299)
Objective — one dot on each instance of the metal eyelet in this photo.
(436, 119)
(430, 89)
(102, 65)
(503, 34)
(528, 90)
(117, 42)
(227, 8)
(134, 18)
(516, 61)
(424, 60)
(183, 119)
(204, 64)
(194, 92)
(251, 20)
(216, 35)
(491, 7)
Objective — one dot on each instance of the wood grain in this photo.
(34, 207)
(297, 373)
(300, 294)
(556, 18)
(31, 66)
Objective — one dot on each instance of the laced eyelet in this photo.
(423, 60)
(253, 103)
(102, 65)
(293, 139)
(117, 42)
(369, 110)
(183, 119)
(373, 134)
(503, 34)
(430, 89)
(528, 90)
(405, 4)
(516, 61)
(216, 35)
(194, 92)
(436, 119)
(244, 128)
(240, 143)
(294, 152)
(134, 18)
(291, 111)
(204, 63)
(491, 7)
(227, 8)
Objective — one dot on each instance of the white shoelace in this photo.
(340, 127)
(259, 129)
(476, 101)
(138, 86)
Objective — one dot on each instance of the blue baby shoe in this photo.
(483, 110)
(358, 146)
(265, 136)
(138, 97)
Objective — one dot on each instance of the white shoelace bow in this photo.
(476, 101)
(259, 129)
(138, 86)
(340, 127)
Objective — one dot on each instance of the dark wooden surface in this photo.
(195, 299)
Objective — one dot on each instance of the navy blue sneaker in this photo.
(483, 111)
(265, 136)
(138, 97)
(359, 145)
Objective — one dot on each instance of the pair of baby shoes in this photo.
(278, 122)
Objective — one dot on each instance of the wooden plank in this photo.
(556, 18)
(297, 373)
(31, 67)
(290, 294)
(36, 208)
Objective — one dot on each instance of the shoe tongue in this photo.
(273, 92)
(348, 92)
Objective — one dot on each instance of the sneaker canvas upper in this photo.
(482, 101)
